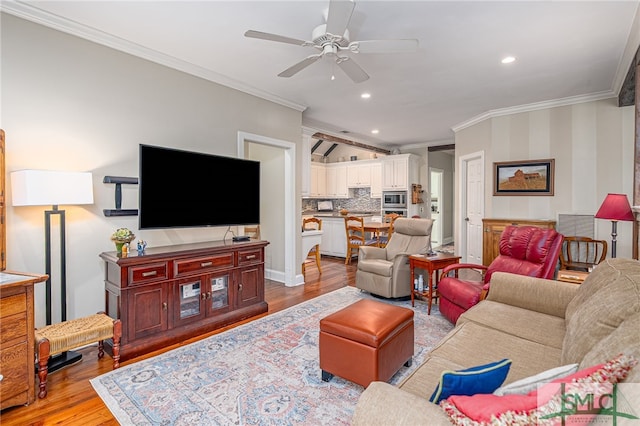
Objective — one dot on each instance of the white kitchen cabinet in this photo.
(394, 173)
(359, 175)
(376, 180)
(399, 172)
(336, 186)
(334, 237)
(318, 180)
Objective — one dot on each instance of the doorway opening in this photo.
(436, 177)
(279, 225)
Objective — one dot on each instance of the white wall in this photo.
(70, 104)
(593, 147)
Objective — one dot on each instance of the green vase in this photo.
(119, 247)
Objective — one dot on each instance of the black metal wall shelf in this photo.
(118, 181)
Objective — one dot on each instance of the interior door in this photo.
(3, 235)
(472, 207)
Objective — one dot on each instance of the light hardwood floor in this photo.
(72, 400)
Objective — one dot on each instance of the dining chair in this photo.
(356, 237)
(582, 253)
(386, 236)
(312, 224)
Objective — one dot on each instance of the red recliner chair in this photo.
(524, 250)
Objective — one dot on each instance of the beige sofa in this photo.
(539, 324)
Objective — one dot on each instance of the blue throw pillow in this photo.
(481, 379)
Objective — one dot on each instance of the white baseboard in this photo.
(279, 276)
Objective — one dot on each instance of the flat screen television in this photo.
(181, 189)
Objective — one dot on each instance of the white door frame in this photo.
(289, 149)
(462, 199)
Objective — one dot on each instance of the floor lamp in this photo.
(45, 187)
(615, 207)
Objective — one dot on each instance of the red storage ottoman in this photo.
(366, 341)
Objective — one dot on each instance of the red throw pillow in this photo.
(538, 405)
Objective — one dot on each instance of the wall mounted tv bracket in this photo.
(118, 181)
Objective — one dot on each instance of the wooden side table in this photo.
(430, 264)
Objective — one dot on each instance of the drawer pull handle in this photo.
(240, 287)
(164, 305)
(253, 256)
(205, 264)
(1, 377)
(149, 274)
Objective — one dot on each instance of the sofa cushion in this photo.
(622, 340)
(424, 379)
(609, 295)
(549, 329)
(483, 409)
(473, 344)
(470, 381)
(528, 384)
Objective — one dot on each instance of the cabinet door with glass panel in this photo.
(201, 296)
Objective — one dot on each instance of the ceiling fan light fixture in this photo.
(331, 38)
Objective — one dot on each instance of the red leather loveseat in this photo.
(524, 250)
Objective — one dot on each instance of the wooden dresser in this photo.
(492, 230)
(17, 374)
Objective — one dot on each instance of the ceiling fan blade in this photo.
(339, 16)
(352, 69)
(275, 37)
(384, 46)
(300, 66)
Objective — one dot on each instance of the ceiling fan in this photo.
(332, 40)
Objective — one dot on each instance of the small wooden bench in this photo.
(58, 338)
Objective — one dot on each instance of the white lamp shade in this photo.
(46, 187)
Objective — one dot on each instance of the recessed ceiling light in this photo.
(508, 59)
(375, 131)
(365, 95)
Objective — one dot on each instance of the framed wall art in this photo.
(529, 177)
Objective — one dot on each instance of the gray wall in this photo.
(70, 104)
(593, 147)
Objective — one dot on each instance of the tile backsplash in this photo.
(359, 200)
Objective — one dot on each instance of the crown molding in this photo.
(572, 100)
(39, 16)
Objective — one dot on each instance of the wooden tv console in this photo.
(170, 294)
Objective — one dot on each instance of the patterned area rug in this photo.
(265, 372)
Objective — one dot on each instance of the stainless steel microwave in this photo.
(394, 200)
